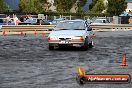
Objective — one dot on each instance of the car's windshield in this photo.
(70, 25)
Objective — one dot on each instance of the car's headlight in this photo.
(78, 38)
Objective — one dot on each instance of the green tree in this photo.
(82, 2)
(64, 5)
(116, 7)
(3, 6)
(98, 7)
(80, 5)
(92, 4)
(30, 6)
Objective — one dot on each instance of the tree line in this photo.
(111, 7)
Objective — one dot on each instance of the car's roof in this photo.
(100, 19)
(73, 20)
(60, 19)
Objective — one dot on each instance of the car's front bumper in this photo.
(77, 43)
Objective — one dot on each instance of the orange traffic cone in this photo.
(43, 35)
(22, 33)
(4, 33)
(124, 60)
(35, 33)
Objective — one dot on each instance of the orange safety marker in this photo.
(123, 63)
(22, 33)
(43, 35)
(35, 33)
(4, 33)
(82, 77)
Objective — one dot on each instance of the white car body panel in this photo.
(67, 33)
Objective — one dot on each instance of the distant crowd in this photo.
(17, 20)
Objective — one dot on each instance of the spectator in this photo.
(30, 17)
(21, 19)
(8, 19)
(16, 20)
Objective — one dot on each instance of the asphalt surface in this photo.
(26, 62)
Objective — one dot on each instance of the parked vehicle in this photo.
(42, 22)
(56, 21)
(75, 33)
(100, 21)
(4, 22)
(35, 21)
(89, 21)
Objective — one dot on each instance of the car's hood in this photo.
(67, 33)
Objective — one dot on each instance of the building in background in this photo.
(129, 6)
(52, 7)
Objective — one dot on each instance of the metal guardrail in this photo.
(111, 27)
(25, 29)
(17, 29)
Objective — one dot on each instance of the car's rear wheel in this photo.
(51, 47)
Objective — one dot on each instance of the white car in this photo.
(100, 21)
(56, 21)
(71, 33)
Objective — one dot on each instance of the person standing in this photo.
(16, 20)
(7, 19)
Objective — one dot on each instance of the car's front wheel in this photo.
(85, 46)
(90, 45)
(51, 47)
